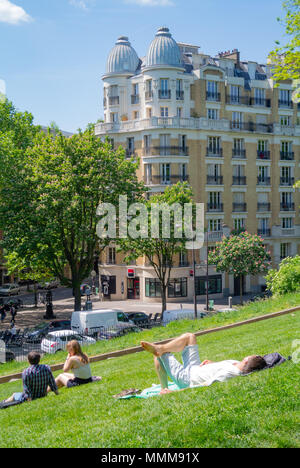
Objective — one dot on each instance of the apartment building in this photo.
(220, 124)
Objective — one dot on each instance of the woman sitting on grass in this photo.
(78, 363)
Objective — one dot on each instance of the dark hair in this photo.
(34, 358)
(255, 363)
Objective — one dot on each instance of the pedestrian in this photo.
(2, 314)
(13, 313)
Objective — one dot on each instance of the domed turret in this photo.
(163, 50)
(122, 58)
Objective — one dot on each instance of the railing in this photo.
(130, 153)
(165, 180)
(164, 94)
(214, 180)
(264, 232)
(179, 95)
(285, 103)
(239, 153)
(213, 96)
(287, 181)
(287, 155)
(114, 100)
(239, 100)
(216, 207)
(148, 95)
(263, 154)
(240, 207)
(287, 206)
(251, 127)
(135, 98)
(263, 180)
(212, 152)
(166, 151)
(256, 101)
(262, 206)
(239, 180)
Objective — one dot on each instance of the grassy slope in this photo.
(174, 329)
(259, 410)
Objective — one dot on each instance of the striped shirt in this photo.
(36, 380)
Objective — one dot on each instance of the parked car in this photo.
(116, 332)
(51, 284)
(37, 333)
(58, 340)
(10, 289)
(139, 318)
(90, 322)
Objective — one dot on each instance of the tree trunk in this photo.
(35, 295)
(241, 289)
(77, 295)
(164, 300)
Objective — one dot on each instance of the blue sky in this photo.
(53, 52)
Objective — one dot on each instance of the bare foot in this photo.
(151, 348)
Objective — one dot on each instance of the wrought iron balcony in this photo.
(283, 103)
(135, 98)
(287, 155)
(165, 180)
(213, 96)
(264, 232)
(179, 95)
(215, 207)
(239, 153)
(262, 206)
(239, 180)
(256, 101)
(238, 100)
(164, 94)
(287, 181)
(287, 206)
(239, 207)
(263, 154)
(263, 180)
(166, 151)
(214, 180)
(214, 152)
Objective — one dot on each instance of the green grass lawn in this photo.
(260, 410)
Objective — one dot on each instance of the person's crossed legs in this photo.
(166, 365)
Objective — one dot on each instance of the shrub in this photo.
(287, 278)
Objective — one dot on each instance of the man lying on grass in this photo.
(193, 372)
(36, 380)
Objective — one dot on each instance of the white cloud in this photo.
(12, 14)
(79, 3)
(151, 2)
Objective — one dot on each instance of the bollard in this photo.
(230, 302)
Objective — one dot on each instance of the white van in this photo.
(90, 322)
(180, 314)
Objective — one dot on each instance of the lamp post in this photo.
(195, 295)
(207, 277)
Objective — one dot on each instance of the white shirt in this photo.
(215, 372)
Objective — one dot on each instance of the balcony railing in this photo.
(251, 127)
(283, 103)
(264, 232)
(212, 152)
(165, 180)
(179, 95)
(263, 180)
(263, 154)
(166, 151)
(213, 96)
(114, 100)
(238, 100)
(287, 155)
(262, 102)
(239, 180)
(239, 153)
(135, 98)
(216, 207)
(148, 95)
(164, 94)
(130, 153)
(287, 181)
(262, 206)
(287, 206)
(214, 180)
(240, 207)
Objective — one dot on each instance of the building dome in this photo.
(163, 50)
(122, 58)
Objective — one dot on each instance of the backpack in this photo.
(273, 359)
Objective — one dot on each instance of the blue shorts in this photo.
(19, 397)
(180, 373)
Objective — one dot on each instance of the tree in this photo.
(286, 58)
(240, 255)
(160, 251)
(287, 278)
(49, 198)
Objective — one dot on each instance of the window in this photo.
(285, 250)
(214, 145)
(239, 223)
(111, 257)
(213, 114)
(234, 93)
(214, 285)
(287, 223)
(153, 287)
(108, 284)
(164, 92)
(237, 120)
(136, 115)
(164, 112)
(284, 98)
(284, 120)
(177, 287)
(259, 96)
(130, 146)
(183, 259)
(179, 112)
(165, 171)
(212, 91)
(114, 117)
(149, 112)
(179, 90)
(215, 225)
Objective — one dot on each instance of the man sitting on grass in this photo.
(36, 380)
(193, 372)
